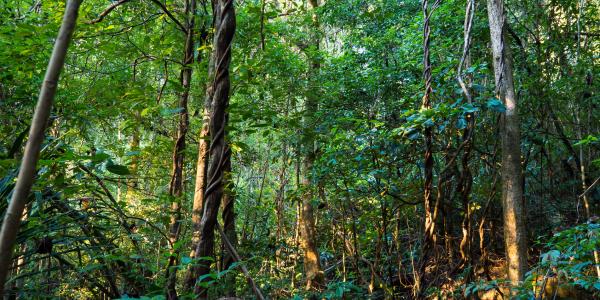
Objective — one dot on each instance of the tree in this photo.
(14, 212)
(343, 167)
(176, 184)
(312, 263)
(219, 151)
(512, 178)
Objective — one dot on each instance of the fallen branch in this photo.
(237, 258)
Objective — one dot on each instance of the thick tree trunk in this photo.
(176, 185)
(14, 212)
(203, 158)
(512, 177)
(218, 147)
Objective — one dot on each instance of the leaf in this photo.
(551, 256)
(495, 105)
(469, 108)
(171, 111)
(117, 169)
(100, 156)
(428, 123)
(133, 153)
(208, 276)
(186, 260)
(588, 140)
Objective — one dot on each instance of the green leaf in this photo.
(495, 105)
(117, 169)
(186, 260)
(98, 157)
(171, 111)
(550, 256)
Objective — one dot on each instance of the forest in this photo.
(291, 149)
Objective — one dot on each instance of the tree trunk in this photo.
(228, 216)
(134, 145)
(512, 177)
(312, 265)
(14, 212)
(176, 185)
(429, 220)
(202, 162)
(218, 147)
(466, 177)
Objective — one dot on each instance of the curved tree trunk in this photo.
(512, 177)
(202, 162)
(218, 147)
(429, 237)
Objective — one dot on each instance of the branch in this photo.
(170, 15)
(237, 257)
(590, 187)
(107, 11)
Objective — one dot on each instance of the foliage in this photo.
(103, 200)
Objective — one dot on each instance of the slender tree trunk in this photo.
(466, 178)
(218, 147)
(176, 185)
(280, 205)
(312, 265)
(429, 237)
(228, 216)
(512, 177)
(134, 145)
(14, 212)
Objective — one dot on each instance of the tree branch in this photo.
(170, 15)
(107, 11)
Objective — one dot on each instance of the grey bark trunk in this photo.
(512, 177)
(12, 218)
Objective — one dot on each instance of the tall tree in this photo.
(25, 180)
(218, 150)
(176, 189)
(511, 172)
(430, 209)
(203, 154)
(312, 264)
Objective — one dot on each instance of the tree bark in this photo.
(218, 147)
(228, 216)
(466, 177)
(429, 237)
(25, 180)
(312, 265)
(512, 177)
(203, 158)
(176, 185)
